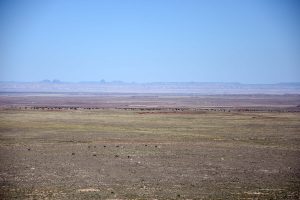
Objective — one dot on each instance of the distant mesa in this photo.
(53, 81)
(46, 81)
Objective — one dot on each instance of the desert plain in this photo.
(155, 146)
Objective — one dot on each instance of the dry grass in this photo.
(160, 155)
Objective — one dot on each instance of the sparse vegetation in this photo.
(142, 154)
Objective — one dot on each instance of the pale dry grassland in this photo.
(121, 154)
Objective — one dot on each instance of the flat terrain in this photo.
(165, 153)
(113, 100)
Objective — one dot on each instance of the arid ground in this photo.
(57, 146)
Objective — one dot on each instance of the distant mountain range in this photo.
(203, 88)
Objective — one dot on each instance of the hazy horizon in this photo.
(249, 42)
(103, 81)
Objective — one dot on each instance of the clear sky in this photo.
(247, 41)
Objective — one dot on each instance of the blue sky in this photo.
(251, 41)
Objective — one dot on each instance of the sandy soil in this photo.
(141, 154)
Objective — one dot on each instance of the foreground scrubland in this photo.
(142, 154)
